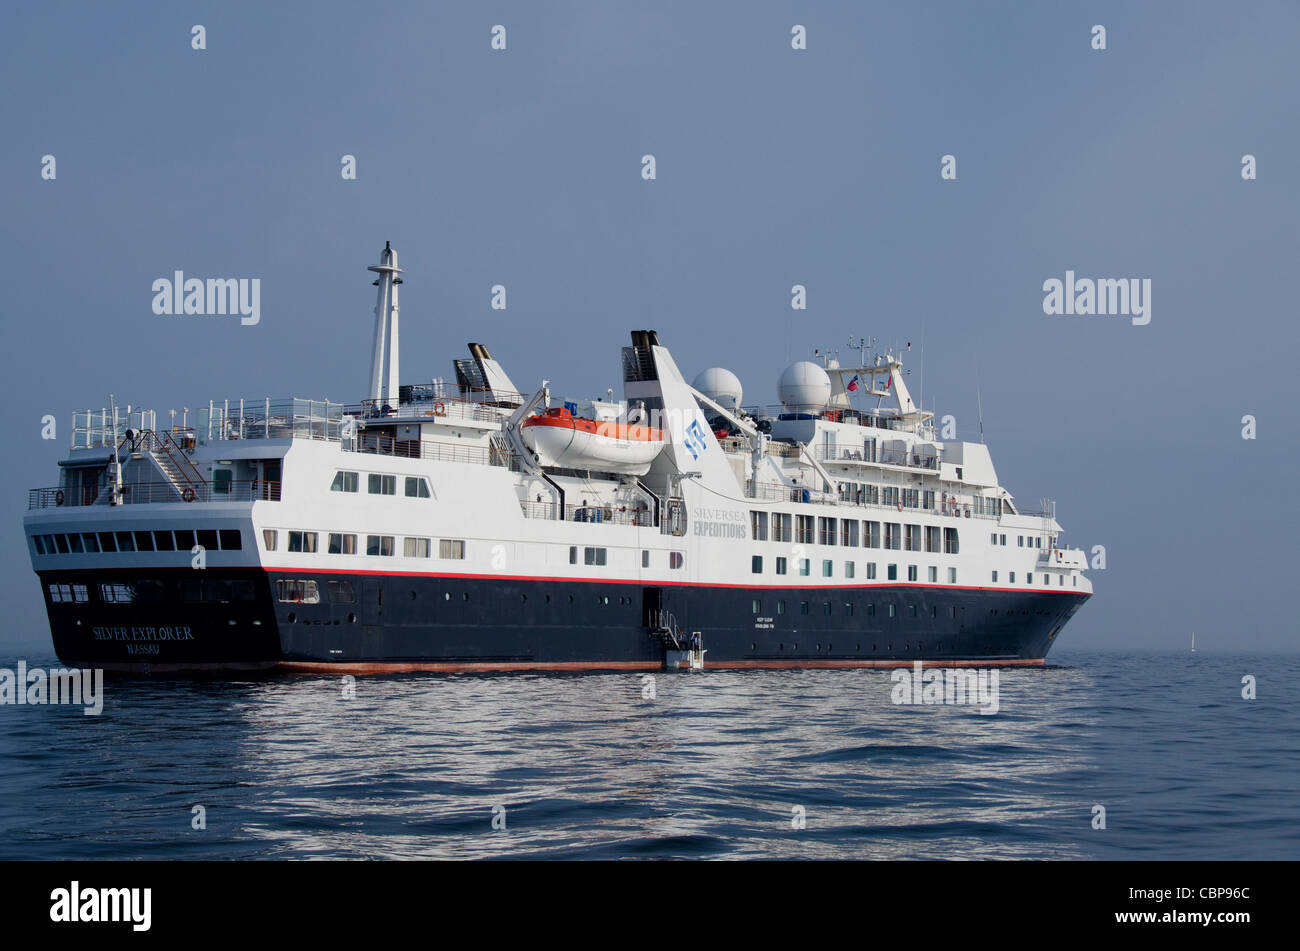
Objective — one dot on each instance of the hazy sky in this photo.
(819, 167)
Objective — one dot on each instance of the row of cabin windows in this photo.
(151, 591)
(804, 566)
(600, 556)
(181, 539)
(850, 609)
(344, 543)
(307, 591)
(416, 487)
(1046, 576)
(1022, 541)
(850, 533)
(861, 493)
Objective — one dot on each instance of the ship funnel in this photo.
(383, 359)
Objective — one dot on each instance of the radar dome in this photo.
(721, 386)
(804, 388)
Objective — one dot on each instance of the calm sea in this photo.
(718, 765)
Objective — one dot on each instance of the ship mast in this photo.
(384, 353)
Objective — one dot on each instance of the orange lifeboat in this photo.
(576, 442)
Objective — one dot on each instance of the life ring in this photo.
(58, 497)
(440, 408)
(187, 494)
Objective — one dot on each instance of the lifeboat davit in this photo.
(575, 442)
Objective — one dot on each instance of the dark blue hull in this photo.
(373, 622)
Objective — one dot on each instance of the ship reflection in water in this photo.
(717, 765)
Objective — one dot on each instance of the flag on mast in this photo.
(853, 383)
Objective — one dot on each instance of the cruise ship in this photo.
(467, 525)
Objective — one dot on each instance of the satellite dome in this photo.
(804, 388)
(721, 386)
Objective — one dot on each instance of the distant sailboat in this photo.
(1193, 642)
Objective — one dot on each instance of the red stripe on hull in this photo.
(345, 667)
(380, 667)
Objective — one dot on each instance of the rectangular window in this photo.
(932, 573)
(780, 566)
(995, 577)
(676, 559)
(302, 541)
(828, 568)
(417, 488)
(781, 527)
(803, 607)
(379, 484)
(341, 592)
(297, 592)
(911, 498)
(848, 609)
(184, 539)
(927, 499)
(645, 558)
(208, 539)
(826, 531)
(344, 482)
(826, 608)
(889, 496)
(913, 537)
(780, 607)
(952, 575)
(892, 573)
(221, 481)
(125, 541)
(74, 543)
(848, 569)
(38, 542)
(107, 541)
(893, 609)
(1029, 578)
(269, 538)
(871, 610)
(573, 554)
(993, 538)
(593, 556)
(61, 541)
(1002, 539)
(341, 544)
(871, 571)
(416, 547)
(805, 567)
(871, 534)
(89, 542)
(758, 525)
(163, 541)
(134, 592)
(893, 535)
(144, 541)
(756, 565)
(230, 539)
(932, 538)
(1012, 576)
(1020, 541)
(807, 527)
(452, 548)
(950, 545)
(849, 532)
(381, 545)
(911, 572)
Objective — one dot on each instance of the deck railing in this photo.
(149, 493)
